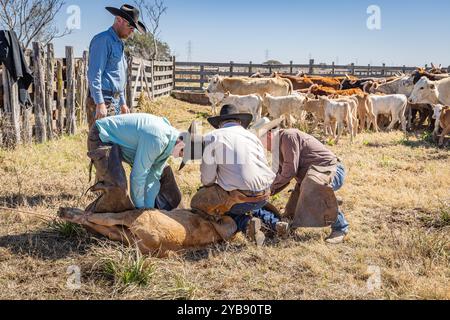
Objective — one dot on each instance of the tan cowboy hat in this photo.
(263, 125)
(131, 14)
(193, 140)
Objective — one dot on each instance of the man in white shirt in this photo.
(236, 176)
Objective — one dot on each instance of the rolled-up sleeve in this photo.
(97, 64)
(290, 150)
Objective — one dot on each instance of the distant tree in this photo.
(32, 20)
(141, 45)
(149, 46)
(272, 62)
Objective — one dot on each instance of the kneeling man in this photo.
(236, 176)
(318, 173)
(145, 142)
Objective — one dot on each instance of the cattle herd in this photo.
(413, 101)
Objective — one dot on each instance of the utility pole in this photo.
(189, 51)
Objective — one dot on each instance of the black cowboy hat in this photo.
(231, 112)
(131, 14)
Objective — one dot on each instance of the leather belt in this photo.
(253, 194)
(115, 95)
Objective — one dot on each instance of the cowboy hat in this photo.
(194, 144)
(131, 14)
(264, 125)
(231, 112)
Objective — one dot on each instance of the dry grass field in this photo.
(396, 197)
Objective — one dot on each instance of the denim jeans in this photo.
(239, 214)
(341, 224)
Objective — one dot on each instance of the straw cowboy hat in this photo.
(193, 140)
(264, 125)
(231, 112)
(131, 14)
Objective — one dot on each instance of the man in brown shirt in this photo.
(299, 151)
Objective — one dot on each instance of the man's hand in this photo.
(101, 111)
(124, 109)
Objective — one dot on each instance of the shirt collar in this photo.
(230, 125)
(114, 34)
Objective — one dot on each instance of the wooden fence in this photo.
(193, 76)
(59, 94)
(152, 77)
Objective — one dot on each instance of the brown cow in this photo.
(327, 91)
(154, 231)
(444, 122)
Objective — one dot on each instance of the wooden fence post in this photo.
(202, 76)
(129, 94)
(311, 66)
(70, 100)
(174, 72)
(50, 74)
(250, 69)
(231, 68)
(333, 68)
(11, 120)
(60, 97)
(152, 79)
(27, 111)
(84, 87)
(78, 90)
(291, 68)
(39, 93)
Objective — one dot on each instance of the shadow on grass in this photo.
(17, 200)
(46, 245)
(213, 250)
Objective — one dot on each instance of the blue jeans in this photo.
(341, 224)
(239, 214)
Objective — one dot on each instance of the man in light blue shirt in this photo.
(145, 142)
(107, 71)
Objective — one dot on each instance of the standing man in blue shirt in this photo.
(107, 72)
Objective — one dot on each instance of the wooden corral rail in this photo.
(194, 75)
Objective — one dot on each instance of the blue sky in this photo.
(412, 32)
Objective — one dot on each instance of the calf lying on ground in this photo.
(154, 231)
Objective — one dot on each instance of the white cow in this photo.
(392, 105)
(247, 104)
(403, 85)
(287, 106)
(337, 113)
(431, 92)
(437, 110)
